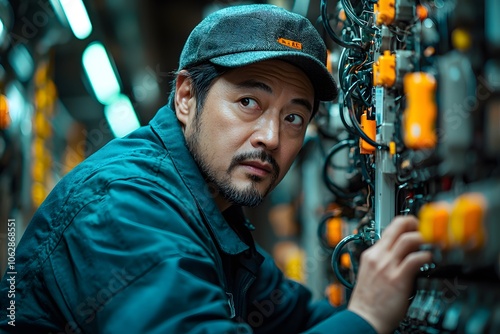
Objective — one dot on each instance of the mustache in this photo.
(255, 155)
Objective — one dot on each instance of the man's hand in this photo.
(386, 275)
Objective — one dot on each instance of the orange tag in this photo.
(290, 43)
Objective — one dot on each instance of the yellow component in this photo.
(38, 171)
(329, 61)
(38, 194)
(467, 221)
(335, 294)
(345, 261)
(384, 12)
(4, 112)
(342, 16)
(392, 148)
(38, 149)
(421, 110)
(293, 266)
(384, 70)
(422, 12)
(429, 51)
(41, 99)
(333, 231)
(41, 74)
(434, 218)
(461, 39)
(369, 127)
(42, 126)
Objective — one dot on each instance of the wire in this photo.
(332, 34)
(334, 188)
(364, 171)
(349, 128)
(336, 256)
(352, 15)
(364, 136)
(358, 129)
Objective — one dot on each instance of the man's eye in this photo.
(248, 102)
(294, 119)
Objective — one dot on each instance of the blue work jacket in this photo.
(131, 241)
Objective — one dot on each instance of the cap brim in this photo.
(324, 85)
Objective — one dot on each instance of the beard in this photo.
(222, 184)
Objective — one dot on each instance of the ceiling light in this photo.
(100, 73)
(121, 116)
(78, 18)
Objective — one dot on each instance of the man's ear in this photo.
(185, 101)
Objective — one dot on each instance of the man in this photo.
(147, 235)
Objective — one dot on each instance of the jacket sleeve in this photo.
(128, 264)
(279, 305)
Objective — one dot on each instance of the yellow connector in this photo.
(333, 231)
(384, 12)
(461, 39)
(467, 221)
(392, 148)
(434, 219)
(335, 294)
(4, 112)
(384, 70)
(370, 128)
(420, 115)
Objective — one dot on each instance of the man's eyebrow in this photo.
(254, 84)
(303, 102)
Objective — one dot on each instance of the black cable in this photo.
(336, 256)
(364, 136)
(332, 34)
(335, 189)
(349, 128)
(357, 127)
(364, 170)
(349, 10)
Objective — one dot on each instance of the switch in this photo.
(421, 111)
(385, 12)
(434, 218)
(467, 221)
(384, 70)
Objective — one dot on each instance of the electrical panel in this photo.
(416, 131)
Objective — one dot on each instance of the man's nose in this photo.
(267, 133)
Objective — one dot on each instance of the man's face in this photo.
(250, 130)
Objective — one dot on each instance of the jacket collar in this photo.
(167, 127)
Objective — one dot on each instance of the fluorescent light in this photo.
(78, 18)
(16, 101)
(121, 116)
(100, 73)
(22, 62)
(2, 30)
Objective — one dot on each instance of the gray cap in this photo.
(241, 35)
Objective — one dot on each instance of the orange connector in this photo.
(421, 111)
(384, 12)
(369, 127)
(384, 70)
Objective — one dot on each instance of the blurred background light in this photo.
(100, 73)
(16, 101)
(22, 62)
(121, 116)
(77, 17)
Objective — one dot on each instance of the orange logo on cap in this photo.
(290, 43)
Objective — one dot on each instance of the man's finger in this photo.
(412, 263)
(407, 243)
(398, 226)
